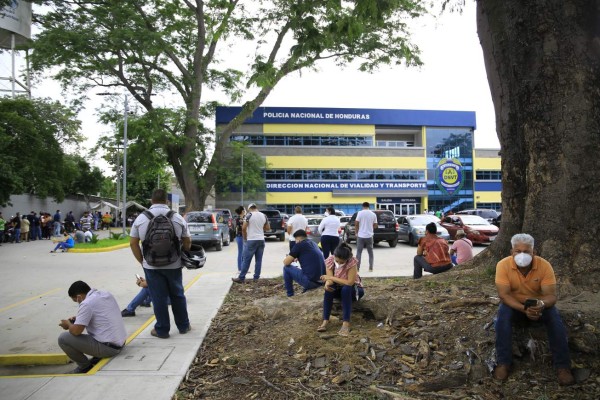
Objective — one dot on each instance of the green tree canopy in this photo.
(32, 136)
(178, 47)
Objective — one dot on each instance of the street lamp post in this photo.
(126, 111)
(242, 178)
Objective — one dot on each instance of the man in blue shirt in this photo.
(312, 264)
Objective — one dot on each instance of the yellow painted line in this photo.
(33, 359)
(59, 357)
(29, 299)
(99, 249)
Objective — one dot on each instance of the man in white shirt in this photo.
(99, 314)
(365, 224)
(295, 223)
(165, 282)
(329, 230)
(253, 231)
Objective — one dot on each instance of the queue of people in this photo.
(525, 282)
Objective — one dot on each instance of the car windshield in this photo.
(199, 217)
(423, 219)
(473, 220)
(314, 221)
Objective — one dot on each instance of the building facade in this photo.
(407, 161)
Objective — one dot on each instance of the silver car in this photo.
(312, 230)
(412, 227)
(208, 228)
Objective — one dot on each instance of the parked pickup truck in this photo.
(277, 224)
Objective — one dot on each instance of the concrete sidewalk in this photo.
(147, 368)
(33, 299)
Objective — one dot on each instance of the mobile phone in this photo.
(530, 303)
(138, 276)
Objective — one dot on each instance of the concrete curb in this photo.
(100, 249)
(33, 359)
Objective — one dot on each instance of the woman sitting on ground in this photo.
(341, 281)
(68, 243)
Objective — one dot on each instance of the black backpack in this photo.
(161, 245)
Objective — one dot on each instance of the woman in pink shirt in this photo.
(462, 248)
(341, 281)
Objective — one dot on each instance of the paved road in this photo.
(34, 294)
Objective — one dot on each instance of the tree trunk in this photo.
(542, 60)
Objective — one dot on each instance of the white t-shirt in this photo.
(366, 219)
(297, 221)
(140, 226)
(256, 221)
(329, 226)
(101, 316)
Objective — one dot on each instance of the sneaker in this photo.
(95, 360)
(565, 377)
(127, 313)
(501, 372)
(189, 328)
(237, 280)
(155, 334)
(81, 370)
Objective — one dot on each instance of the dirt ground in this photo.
(426, 339)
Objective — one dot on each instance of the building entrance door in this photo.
(400, 208)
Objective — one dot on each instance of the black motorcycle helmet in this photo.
(193, 259)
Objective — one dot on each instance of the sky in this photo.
(453, 78)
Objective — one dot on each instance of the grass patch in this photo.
(103, 243)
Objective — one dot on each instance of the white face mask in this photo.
(523, 260)
(337, 265)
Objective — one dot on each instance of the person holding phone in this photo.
(527, 289)
(141, 299)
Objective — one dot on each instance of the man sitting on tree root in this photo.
(527, 287)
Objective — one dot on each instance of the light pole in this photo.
(242, 178)
(125, 112)
(124, 209)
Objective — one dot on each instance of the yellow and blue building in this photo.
(407, 161)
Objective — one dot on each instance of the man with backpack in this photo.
(432, 253)
(163, 234)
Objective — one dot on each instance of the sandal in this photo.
(322, 328)
(344, 331)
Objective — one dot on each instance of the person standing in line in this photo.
(253, 231)
(98, 313)
(239, 237)
(365, 224)
(295, 223)
(2, 228)
(16, 222)
(165, 282)
(25, 229)
(56, 219)
(329, 229)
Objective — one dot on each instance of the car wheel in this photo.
(219, 244)
(393, 243)
(226, 243)
(411, 240)
(345, 237)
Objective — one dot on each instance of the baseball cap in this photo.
(251, 205)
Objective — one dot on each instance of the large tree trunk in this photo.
(542, 60)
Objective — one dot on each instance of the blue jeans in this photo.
(557, 335)
(293, 274)
(143, 297)
(240, 245)
(253, 248)
(420, 265)
(56, 228)
(17, 235)
(347, 294)
(63, 246)
(165, 284)
(328, 244)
